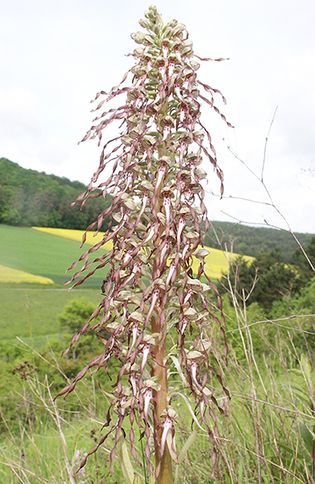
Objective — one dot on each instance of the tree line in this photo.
(253, 241)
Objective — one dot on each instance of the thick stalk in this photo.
(160, 404)
(159, 370)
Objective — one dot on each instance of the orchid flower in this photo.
(151, 170)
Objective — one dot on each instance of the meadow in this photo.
(33, 263)
(7, 274)
(31, 312)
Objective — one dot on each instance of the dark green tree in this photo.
(265, 280)
(300, 260)
(75, 314)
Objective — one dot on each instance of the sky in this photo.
(55, 55)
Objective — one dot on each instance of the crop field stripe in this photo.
(7, 274)
(217, 262)
(76, 235)
(38, 253)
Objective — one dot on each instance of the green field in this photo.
(48, 252)
(32, 312)
(39, 253)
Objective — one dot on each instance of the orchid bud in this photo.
(138, 37)
(144, 23)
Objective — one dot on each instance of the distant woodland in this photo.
(31, 198)
(255, 240)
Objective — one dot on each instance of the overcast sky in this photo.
(55, 55)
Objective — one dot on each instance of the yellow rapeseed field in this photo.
(76, 235)
(217, 262)
(7, 274)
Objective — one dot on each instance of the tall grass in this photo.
(268, 436)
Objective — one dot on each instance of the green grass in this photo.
(39, 253)
(44, 456)
(262, 440)
(30, 312)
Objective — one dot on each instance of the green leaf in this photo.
(307, 372)
(307, 436)
(188, 443)
(126, 465)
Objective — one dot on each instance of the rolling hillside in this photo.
(32, 313)
(7, 274)
(30, 198)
